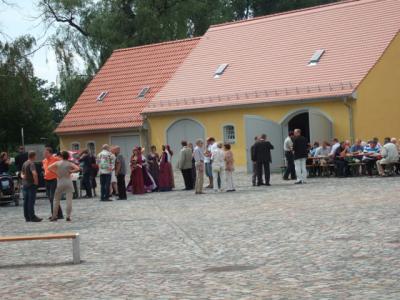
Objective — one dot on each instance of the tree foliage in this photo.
(23, 97)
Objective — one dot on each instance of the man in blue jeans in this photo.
(106, 162)
(30, 181)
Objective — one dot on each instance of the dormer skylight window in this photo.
(220, 70)
(102, 96)
(143, 92)
(316, 57)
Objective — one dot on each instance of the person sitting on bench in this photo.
(390, 155)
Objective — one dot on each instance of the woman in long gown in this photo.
(152, 160)
(165, 179)
(149, 183)
(137, 181)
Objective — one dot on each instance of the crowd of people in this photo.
(368, 157)
(57, 175)
(154, 172)
(148, 173)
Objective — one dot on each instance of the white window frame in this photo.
(102, 95)
(224, 134)
(91, 142)
(143, 92)
(75, 143)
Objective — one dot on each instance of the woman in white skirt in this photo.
(229, 168)
(63, 168)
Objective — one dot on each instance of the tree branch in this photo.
(63, 19)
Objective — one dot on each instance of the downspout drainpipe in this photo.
(144, 133)
(347, 103)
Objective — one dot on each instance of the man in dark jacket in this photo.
(262, 156)
(300, 156)
(253, 160)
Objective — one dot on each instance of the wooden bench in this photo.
(74, 236)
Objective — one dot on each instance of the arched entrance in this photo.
(316, 126)
(301, 121)
(184, 129)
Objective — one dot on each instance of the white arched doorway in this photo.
(183, 129)
(256, 126)
(315, 124)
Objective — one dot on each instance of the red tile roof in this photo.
(268, 57)
(124, 75)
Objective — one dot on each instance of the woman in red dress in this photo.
(165, 179)
(137, 181)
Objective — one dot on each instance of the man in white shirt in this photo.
(390, 155)
(335, 145)
(106, 162)
(323, 151)
(211, 147)
(288, 148)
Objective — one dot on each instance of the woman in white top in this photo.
(63, 169)
(218, 168)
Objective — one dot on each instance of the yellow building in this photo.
(332, 71)
(109, 109)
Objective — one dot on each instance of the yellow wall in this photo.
(99, 139)
(213, 121)
(376, 112)
(377, 108)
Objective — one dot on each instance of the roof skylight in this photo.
(102, 96)
(316, 57)
(220, 70)
(143, 92)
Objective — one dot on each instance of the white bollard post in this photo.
(76, 250)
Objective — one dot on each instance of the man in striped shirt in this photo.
(371, 152)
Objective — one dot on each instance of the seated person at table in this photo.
(335, 145)
(389, 154)
(323, 153)
(340, 159)
(376, 140)
(313, 149)
(357, 147)
(311, 163)
(371, 152)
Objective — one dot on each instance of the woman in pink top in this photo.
(229, 168)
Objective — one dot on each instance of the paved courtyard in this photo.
(329, 239)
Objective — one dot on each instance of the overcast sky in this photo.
(19, 19)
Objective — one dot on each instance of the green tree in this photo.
(22, 97)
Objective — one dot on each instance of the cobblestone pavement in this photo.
(329, 239)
